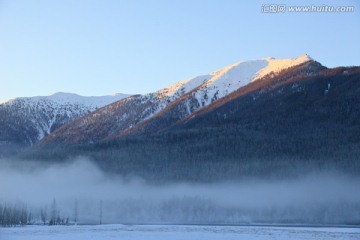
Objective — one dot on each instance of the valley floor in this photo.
(177, 232)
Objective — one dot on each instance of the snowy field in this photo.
(177, 232)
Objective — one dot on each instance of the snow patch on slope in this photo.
(164, 97)
(227, 80)
(183, 87)
(72, 98)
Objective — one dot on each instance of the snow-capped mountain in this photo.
(24, 121)
(303, 119)
(183, 98)
(223, 87)
(254, 118)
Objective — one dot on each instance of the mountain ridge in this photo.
(308, 66)
(122, 116)
(25, 120)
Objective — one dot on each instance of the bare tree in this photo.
(76, 212)
(101, 211)
(43, 214)
(54, 213)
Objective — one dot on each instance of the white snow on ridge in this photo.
(62, 98)
(235, 76)
(228, 80)
(183, 87)
(277, 65)
(167, 95)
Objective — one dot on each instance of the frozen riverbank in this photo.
(177, 232)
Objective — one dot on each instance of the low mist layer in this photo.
(85, 194)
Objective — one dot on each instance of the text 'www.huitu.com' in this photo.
(282, 8)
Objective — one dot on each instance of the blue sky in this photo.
(102, 47)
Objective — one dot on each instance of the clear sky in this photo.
(102, 47)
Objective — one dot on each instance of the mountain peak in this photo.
(276, 65)
(63, 94)
(305, 57)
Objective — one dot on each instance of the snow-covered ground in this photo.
(177, 232)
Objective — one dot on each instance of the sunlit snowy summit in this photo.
(139, 113)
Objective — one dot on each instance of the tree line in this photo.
(20, 215)
(13, 215)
